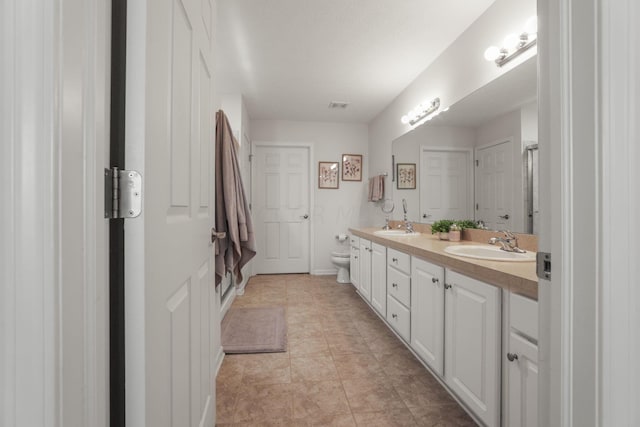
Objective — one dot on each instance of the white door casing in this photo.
(282, 208)
(172, 335)
(446, 184)
(494, 185)
(54, 81)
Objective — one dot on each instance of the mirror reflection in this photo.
(478, 160)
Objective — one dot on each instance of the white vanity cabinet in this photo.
(364, 279)
(399, 292)
(354, 267)
(379, 278)
(520, 361)
(427, 313)
(472, 344)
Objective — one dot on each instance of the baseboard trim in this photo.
(330, 272)
(219, 359)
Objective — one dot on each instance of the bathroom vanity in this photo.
(472, 322)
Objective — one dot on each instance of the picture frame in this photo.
(352, 167)
(328, 175)
(406, 176)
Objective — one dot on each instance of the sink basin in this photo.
(395, 233)
(491, 253)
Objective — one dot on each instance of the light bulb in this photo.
(492, 53)
(511, 41)
(531, 27)
(404, 119)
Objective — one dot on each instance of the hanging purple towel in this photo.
(232, 210)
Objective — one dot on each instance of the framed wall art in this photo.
(328, 175)
(406, 178)
(352, 167)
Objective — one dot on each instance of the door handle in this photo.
(426, 216)
(217, 234)
(505, 216)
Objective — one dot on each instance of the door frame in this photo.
(469, 151)
(53, 251)
(311, 188)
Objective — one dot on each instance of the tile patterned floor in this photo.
(343, 366)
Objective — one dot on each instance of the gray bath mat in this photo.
(254, 330)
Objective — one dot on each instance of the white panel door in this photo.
(281, 207)
(427, 313)
(494, 188)
(379, 278)
(472, 344)
(172, 327)
(445, 187)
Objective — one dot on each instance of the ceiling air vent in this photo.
(338, 105)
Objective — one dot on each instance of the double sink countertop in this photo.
(518, 277)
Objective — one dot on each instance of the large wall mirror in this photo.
(478, 160)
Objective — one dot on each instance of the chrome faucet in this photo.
(509, 243)
(408, 225)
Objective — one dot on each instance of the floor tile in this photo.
(264, 402)
(357, 366)
(392, 418)
(319, 399)
(343, 367)
(448, 415)
(371, 394)
(313, 369)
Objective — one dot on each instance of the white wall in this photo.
(460, 70)
(335, 210)
(407, 149)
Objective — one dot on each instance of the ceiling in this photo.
(290, 58)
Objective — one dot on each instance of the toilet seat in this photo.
(340, 255)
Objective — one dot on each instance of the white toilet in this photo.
(342, 261)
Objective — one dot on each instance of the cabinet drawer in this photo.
(399, 286)
(523, 315)
(399, 260)
(399, 317)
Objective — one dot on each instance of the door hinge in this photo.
(122, 193)
(477, 162)
(250, 157)
(477, 206)
(543, 265)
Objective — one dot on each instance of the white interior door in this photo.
(281, 206)
(171, 315)
(445, 187)
(494, 186)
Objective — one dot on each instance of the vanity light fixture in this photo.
(421, 111)
(514, 45)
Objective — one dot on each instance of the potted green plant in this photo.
(442, 228)
(466, 223)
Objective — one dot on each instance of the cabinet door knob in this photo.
(505, 216)
(447, 286)
(435, 280)
(394, 259)
(394, 285)
(355, 257)
(395, 316)
(512, 357)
